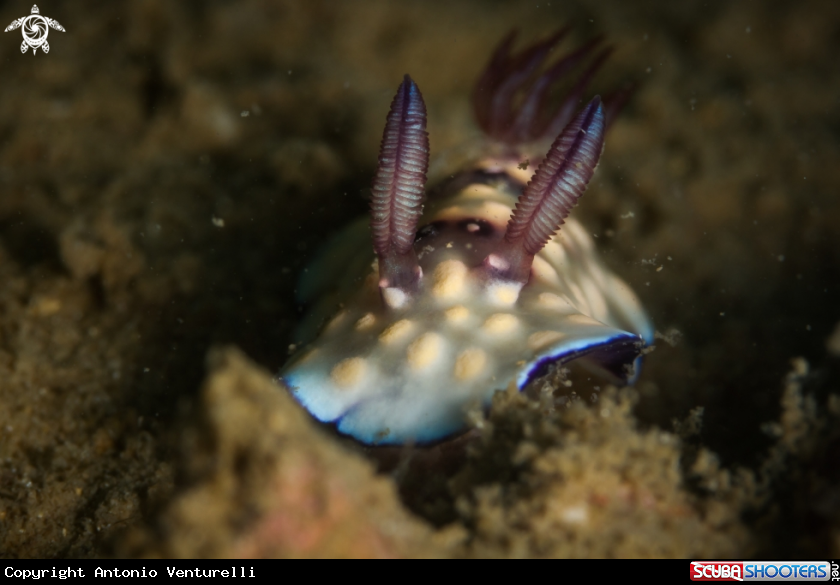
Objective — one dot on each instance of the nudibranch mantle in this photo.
(388, 377)
(483, 295)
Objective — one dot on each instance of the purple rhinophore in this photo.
(551, 194)
(398, 189)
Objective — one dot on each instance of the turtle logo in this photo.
(35, 30)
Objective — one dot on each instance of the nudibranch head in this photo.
(483, 295)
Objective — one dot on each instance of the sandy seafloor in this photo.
(169, 167)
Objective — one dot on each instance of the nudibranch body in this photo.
(433, 321)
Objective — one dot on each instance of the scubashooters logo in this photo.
(35, 29)
(761, 571)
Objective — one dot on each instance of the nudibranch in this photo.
(478, 290)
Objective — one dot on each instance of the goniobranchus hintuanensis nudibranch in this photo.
(475, 291)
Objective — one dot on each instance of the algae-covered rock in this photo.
(266, 481)
(584, 481)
